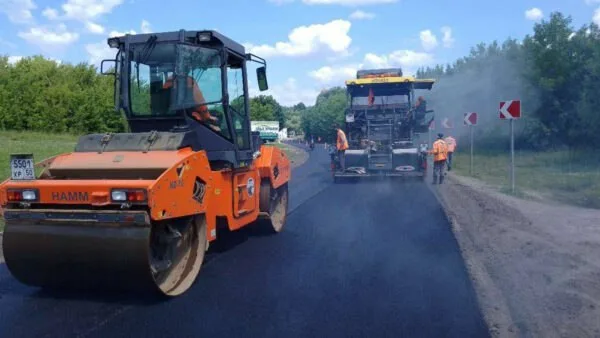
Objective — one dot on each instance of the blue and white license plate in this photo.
(22, 167)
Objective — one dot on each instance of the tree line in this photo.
(555, 71)
(39, 94)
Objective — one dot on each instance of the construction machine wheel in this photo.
(273, 202)
(177, 251)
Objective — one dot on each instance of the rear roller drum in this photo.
(177, 252)
(274, 202)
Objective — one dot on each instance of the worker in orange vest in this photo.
(200, 112)
(451, 142)
(341, 145)
(440, 154)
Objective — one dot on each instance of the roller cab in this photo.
(137, 210)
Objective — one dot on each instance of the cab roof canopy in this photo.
(387, 86)
(207, 38)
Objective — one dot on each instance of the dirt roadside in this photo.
(534, 265)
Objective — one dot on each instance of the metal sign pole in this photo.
(471, 160)
(512, 156)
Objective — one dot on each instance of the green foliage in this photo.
(318, 120)
(40, 95)
(555, 73)
(266, 108)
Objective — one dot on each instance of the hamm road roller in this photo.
(137, 210)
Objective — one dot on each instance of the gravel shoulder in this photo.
(534, 265)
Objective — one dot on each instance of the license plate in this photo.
(22, 167)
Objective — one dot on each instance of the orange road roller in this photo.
(137, 210)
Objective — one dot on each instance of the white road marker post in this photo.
(470, 120)
(471, 159)
(511, 110)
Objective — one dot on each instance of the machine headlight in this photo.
(128, 195)
(29, 195)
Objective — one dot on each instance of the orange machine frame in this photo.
(232, 194)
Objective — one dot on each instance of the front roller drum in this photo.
(162, 256)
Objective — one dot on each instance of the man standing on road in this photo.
(451, 142)
(341, 145)
(439, 152)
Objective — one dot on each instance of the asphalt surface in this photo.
(374, 259)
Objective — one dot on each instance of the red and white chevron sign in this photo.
(510, 110)
(470, 119)
(446, 123)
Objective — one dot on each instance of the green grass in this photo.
(568, 177)
(297, 156)
(41, 145)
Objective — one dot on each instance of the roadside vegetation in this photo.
(569, 177)
(297, 156)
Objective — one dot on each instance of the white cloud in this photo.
(48, 38)
(305, 40)
(88, 9)
(50, 13)
(534, 14)
(348, 2)
(18, 11)
(408, 60)
(361, 15)
(333, 75)
(99, 51)
(94, 28)
(591, 2)
(112, 34)
(14, 59)
(596, 17)
(448, 40)
(428, 40)
(146, 28)
(289, 93)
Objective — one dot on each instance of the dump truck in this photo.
(383, 122)
(138, 209)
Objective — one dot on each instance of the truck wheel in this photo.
(275, 203)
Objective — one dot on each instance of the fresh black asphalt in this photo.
(368, 259)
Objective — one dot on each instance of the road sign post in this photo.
(511, 110)
(512, 156)
(470, 120)
(471, 159)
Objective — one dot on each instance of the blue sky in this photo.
(309, 44)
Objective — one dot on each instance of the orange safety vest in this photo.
(439, 151)
(451, 142)
(201, 113)
(342, 142)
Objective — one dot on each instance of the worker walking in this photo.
(451, 142)
(440, 154)
(341, 145)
